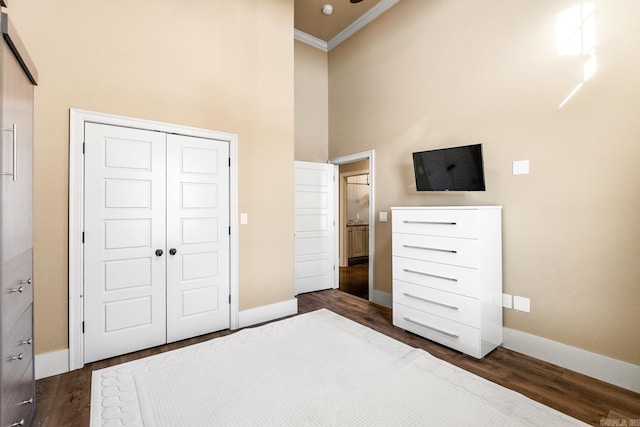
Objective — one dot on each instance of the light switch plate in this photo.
(507, 301)
(522, 304)
(244, 218)
(383, 217)
(521, 167)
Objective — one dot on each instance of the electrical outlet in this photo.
(506, 301)
(383, 217)
(522, 304)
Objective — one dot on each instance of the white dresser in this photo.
(447, 275)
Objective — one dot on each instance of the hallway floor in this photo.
(354, 279)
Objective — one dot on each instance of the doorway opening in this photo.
(355, 230)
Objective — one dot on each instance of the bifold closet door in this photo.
(197, 236)
(124, 240)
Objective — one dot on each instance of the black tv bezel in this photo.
(482, 183)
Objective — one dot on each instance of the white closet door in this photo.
(314, 226)
(124, 283)
(197, 236)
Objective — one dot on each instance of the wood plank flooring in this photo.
(64, 400)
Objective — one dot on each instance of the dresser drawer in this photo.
(460, 337)
(17, 350)
(20, 406)
(454, 251)
(17, 289)
(437, 222)
(455, 307)
(459, 280)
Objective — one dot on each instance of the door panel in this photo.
(124, 282)
(198, 229)
(314, 226)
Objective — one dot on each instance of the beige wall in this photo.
(215, 64)
(311, 104)
(432, 74)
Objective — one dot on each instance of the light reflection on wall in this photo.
(576, 36)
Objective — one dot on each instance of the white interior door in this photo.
(124, 292)
(197, 236)
(315, 261)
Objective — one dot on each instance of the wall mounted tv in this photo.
(450, 169)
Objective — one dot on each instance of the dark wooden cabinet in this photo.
(17, 79)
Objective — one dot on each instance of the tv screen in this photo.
(449, 169)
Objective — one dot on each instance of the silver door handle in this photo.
(13, 129)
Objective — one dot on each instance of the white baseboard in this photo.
(382, 298)
(266, 313)
(613, 371)
(52, 363)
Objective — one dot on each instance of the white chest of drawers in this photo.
(447, 275)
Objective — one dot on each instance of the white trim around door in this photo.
(78, 118)
(364, 155)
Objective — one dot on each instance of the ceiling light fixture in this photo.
(327, 9)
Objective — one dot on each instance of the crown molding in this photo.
(310, 40)
(377, 10)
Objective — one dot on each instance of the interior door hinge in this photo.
(83, 326)
(229, 161)
(83, 237)
(229, 298)
(83, 144)
(229, 230)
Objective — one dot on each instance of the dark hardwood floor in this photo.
(354, 279)
(64, 400)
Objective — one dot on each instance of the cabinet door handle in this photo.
(451, 279)
(13, 129)
(452, 307)
(18, 357)
(415, 322)
(430, 249)
(29, 401)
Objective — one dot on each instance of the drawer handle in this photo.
(27, 402)
(415, 322)
(17, 290)
(18, 357)
(451, 279)
(27, 342)
(25, 282)
(431, 222)
(452, 307)
(19, 423)
(430, 249)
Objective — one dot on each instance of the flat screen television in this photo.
(450, 169)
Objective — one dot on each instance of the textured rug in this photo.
(314, 369)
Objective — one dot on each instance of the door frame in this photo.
(364, 155)
(78, 118)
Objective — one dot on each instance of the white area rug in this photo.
(314, 369)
